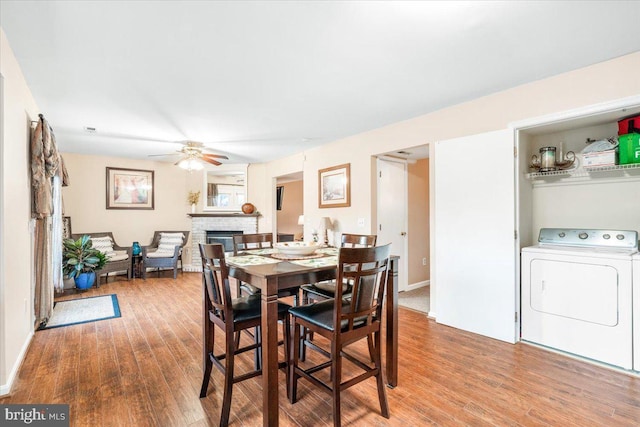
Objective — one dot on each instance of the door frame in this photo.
(403, 263)
(521, 162)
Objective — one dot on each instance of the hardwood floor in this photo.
(144, 368)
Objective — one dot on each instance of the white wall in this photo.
(85, 199)
(599, 83)
(16, 294)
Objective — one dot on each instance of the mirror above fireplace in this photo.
(225, 188)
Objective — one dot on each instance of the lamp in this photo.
(301, 220)
(325, 224)
(190, 164)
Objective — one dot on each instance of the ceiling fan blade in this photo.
(215, 156)
(213, 162)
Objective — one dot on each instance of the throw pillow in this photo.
(168, 242)
(104, 245)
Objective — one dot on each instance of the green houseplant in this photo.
(80, 260)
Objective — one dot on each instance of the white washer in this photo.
(577, 293)
(636, 312)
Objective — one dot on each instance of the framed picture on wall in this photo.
(334, 187)
(129, 189)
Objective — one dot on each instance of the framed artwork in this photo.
(66, 227)
(129, 189)
(334, 187)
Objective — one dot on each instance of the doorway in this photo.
(289, 206)
(406, 221)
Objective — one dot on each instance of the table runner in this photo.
(242, 260)
(317, 262)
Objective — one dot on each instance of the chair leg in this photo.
(208, 364)
(382, 389)
(228, 382)
(303, 335)
(257, 358)
(286, 332)
(372, 347)
(175, 272)
(292, 393)
(336, 375)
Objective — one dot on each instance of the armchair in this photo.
(164, 251)
(119, 256)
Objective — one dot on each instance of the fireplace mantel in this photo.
(222, 214)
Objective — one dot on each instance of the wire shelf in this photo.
(584, 171)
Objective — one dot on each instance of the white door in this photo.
(475, 259)
(392, 213)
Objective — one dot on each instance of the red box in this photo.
(629, 124)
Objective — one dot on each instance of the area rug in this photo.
(416, 299)
(83, 310)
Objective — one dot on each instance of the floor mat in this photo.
(83, 310)
(416, 299)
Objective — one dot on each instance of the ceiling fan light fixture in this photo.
(191, 164)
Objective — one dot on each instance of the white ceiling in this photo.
(261, 80)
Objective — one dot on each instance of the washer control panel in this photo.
(622, 239)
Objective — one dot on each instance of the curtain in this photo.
(46, 163)
(56, 236)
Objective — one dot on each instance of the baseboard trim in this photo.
(6, 388)
(418, 285)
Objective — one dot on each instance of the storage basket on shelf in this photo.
(629, 146)
(630, 124)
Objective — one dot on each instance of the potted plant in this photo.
(80, 260)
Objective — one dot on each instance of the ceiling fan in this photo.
(192, 155)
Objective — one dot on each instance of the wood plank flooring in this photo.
(144, 369)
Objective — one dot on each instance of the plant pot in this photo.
(85, 280)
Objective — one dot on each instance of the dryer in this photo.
(577, 293)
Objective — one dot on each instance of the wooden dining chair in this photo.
(326, 290)
(247, 242)
(231, 315)
(344, 322)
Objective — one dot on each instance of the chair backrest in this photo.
(157, 235)
(100, 235)
(243, 242)
(366, 269)
(76, 236)
(358, 240)
(215, 280)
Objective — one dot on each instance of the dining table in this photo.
(273, 272)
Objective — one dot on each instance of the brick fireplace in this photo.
(216, 223)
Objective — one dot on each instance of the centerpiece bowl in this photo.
(296, 248)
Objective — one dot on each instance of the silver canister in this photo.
(547, 159)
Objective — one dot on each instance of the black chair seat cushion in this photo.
(326, 289)
(249, 307)
(321, 314)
